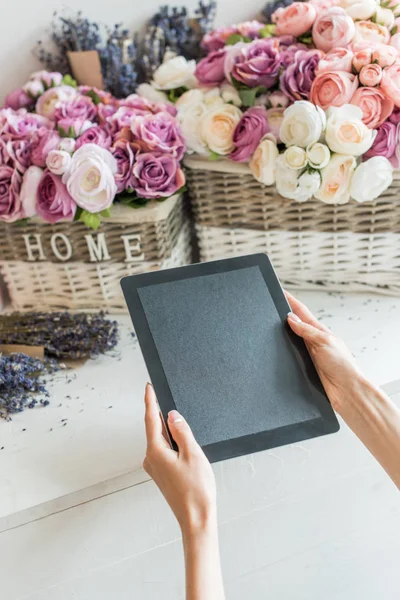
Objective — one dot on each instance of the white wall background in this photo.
(23, 22)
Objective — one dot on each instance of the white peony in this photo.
(336, 178)
(318, 155)
(218, 126)
(67, 145)
(230, 94)
(371, 179)
(145, 90)
(295, 157)
(385, 16)
(58, 161)
(263, 162)
(175, 73)
(359, 9)
(307, 185)
(191, 124)
(34, 88)
(286, 179)
(188, 100)
(302, 124)
(346, 133)
(90, 178)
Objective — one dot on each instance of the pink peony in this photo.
(333, 88)
(376, 107)
(10, 203)
(295, 19)
(21, 124)
(18, 99)
(105, 111)
(333, 28)
(20, 153)
(338, 59)
(95, 135)
(159, 133)
(395, 41)
(125, 154)
(79, 107)
(384, 55)
(370, 75)
(217, 39)
(53, 200)
(390, 83)
(48, 102)
(43, 141)
(362, 58)
(210, 70)
(248, 133)
(250, 29)
(373, 33)
(157, 176)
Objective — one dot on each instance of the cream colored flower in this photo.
(318, 155)
(371, 179)
(58, 161)
(230, 94)
(263, 162)
(295, 157)
(359, 9)
(146, 90)
(286, 179)
(191, 123)
(302, 124)
(346, 133)
(385, 16)
(175, 73)
(217, 128)
(336, 178)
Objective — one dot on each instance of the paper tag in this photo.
(86, 68)
(33, 351)
(73, 363)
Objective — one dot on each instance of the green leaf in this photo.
(175, 94)
(94, 96)
(385, 4)
(306, 38)
(248, 95)
(235, 38)
(91, 220)
(214, 156)
(236, 84)
(106, 212)
(22, 222)
(78, 213)
(394, 30)
(267, 31)
(68, 80)
(44, 84)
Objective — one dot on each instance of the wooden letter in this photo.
(129, 248)
(30, 247)
(68, 247)
(98, 250)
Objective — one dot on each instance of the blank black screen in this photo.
(227, 358)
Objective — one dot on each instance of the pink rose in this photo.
(105, 97)
(43, 141)
(384, 55)
(10, 202)
(159, 133)
(333, 89)
(18, 99)
(217, 39)
(19, 151)
(323, 5)
(231, 52)
(248, 133)
(28, 194)
(210, 69)
(21, 124)
(79, 107)
(367, 31)
(295, 19)
(376, 107)
(124, 117)
(338, 59)
(105, 111)
(73, 128)
(333, 28)
(95, 135)
(258, 63)
(157, 176)
(390, 83)
(362, 58)
(53, 200)
(125, 154)
(370, 75)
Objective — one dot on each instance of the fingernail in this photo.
(174, 416)
(294, 317)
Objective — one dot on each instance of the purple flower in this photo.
(105, 111)
(43, 141)
(10, 186)
(157, 176)
(18, 99)
(19, 152)
(248, 133)
(125, 153)
(288, 52)
(123, 117)
(385, 143)
(20, 124)
(79, 107)
(210, 70)
(159, 133)
(296, 80)
(395, 116)
(258, 63)
(95, 135)
(53, 200)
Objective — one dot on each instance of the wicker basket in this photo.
(63, 268)
(341, 247)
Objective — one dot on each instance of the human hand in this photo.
(334, 362)
(185, 478)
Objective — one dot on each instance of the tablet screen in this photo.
(227, 357)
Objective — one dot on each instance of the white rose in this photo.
(263, 162)
(359, 9)
(90, 178)
(175, 73)
(302, 124)
(217, 127)
(371, 179)
(211, 97)
(230, 94)
(34, 88)
(336, 178)
(346, 133)
(286, 179)
(307, 185)
(385, 16)
(188, 100)
(67, 145)
(145, 90)
(190, 121)
(295, 157)
(318, 155)
(28, 193)
(58, 161)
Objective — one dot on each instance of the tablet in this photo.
(218, 349)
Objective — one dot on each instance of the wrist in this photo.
(195, 525)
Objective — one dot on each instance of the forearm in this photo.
(375, 419)
(202, 563)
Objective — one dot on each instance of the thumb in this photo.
(181, 433)
(308, 332)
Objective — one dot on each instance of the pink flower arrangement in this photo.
(68, 153)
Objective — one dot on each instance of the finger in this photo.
(182, 433)
(154, 429)
(303, 312)
(308, 332)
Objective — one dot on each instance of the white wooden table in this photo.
(307, 521)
